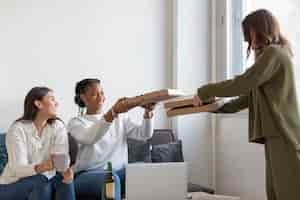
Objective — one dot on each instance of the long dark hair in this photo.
(266, 28)
(30, 109)
(81, 87)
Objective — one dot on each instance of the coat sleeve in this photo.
(259, 73)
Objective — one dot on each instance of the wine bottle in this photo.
(109, 184)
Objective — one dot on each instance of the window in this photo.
(288, 15)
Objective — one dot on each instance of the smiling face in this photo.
(93, 98)
(47, 106)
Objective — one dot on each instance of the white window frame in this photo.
(229, 60)
(220, 44)
(221, 59)
(222, 62)
(228, 14)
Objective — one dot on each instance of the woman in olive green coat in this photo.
(268, 90)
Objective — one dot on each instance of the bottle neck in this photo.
(109, 168)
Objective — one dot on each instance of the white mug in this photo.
(61, 161)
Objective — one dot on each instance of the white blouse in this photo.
(101, 141)
(26, 148)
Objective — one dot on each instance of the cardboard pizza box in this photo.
(179, 102)
(190, 109)
(153, 97)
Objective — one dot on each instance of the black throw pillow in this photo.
(3, 152)
(138, 151)
(171, 152)
(73, 149)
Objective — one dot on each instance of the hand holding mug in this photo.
(45, 166)
(61, 161)
(68, 176)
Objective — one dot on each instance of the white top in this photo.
(26, 148)
(101, 141)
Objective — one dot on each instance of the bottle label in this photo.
(110, 190)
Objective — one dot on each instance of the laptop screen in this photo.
(159, 181)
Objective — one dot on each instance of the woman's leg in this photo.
(28, 188)
(62, 190)
(283, 170)
(89, 183)
(269, 181)
(122, 175)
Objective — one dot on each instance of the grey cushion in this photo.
(138, 151)
(162, 136)
(171, 152)
(3, 152)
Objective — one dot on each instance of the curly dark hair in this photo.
(81, 87)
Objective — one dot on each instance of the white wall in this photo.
(240, 165)
(127, 44)
(192, 70)
(56, 43)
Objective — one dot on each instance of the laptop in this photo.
(159, 181)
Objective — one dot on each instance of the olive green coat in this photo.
(267, 88)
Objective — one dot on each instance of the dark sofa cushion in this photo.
(171, 152)
(73, 149)
(3, 152)
(138, 151)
